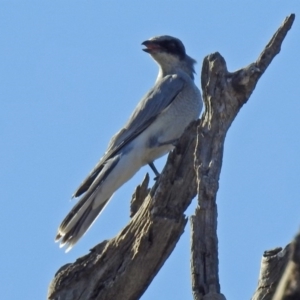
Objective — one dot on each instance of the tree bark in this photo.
(224, 94)
(272, 267)
(123, 267)
(279, 277)
(289, 284)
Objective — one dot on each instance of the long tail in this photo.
(74, 226)
(115, 172)
(88, 208)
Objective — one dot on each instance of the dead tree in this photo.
(123, 267)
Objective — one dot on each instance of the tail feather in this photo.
(79, 224)
(85, 211)
(93, 201)
(73, 218)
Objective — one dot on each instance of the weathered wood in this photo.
(289, 285)
(126, 265)
(224, 94)
(123, 267)
(279, 277)
(272, 267)
(139, 196)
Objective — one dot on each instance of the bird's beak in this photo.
(151, 46)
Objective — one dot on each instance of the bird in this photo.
(152, 130)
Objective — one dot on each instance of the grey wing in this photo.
(151, 105)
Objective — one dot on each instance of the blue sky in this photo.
(71, 72)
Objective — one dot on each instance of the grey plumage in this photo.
(157, 122)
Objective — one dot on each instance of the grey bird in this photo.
(154, 126)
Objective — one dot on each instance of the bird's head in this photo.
(169, 53)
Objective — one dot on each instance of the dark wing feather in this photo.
(152, 104)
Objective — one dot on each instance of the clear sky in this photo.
(71, 72)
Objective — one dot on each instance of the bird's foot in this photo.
(156, 177)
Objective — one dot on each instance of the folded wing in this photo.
(151, 105)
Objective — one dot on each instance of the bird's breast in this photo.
(170, 124)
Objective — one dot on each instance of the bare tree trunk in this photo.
(123, 267)
(272, 266)
(279, 277)
(289, 285)
(224, 94)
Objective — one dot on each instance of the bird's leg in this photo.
(151, 165)
(171, 142)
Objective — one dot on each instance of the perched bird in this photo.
(154, 126)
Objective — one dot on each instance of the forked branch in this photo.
(123, 267)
